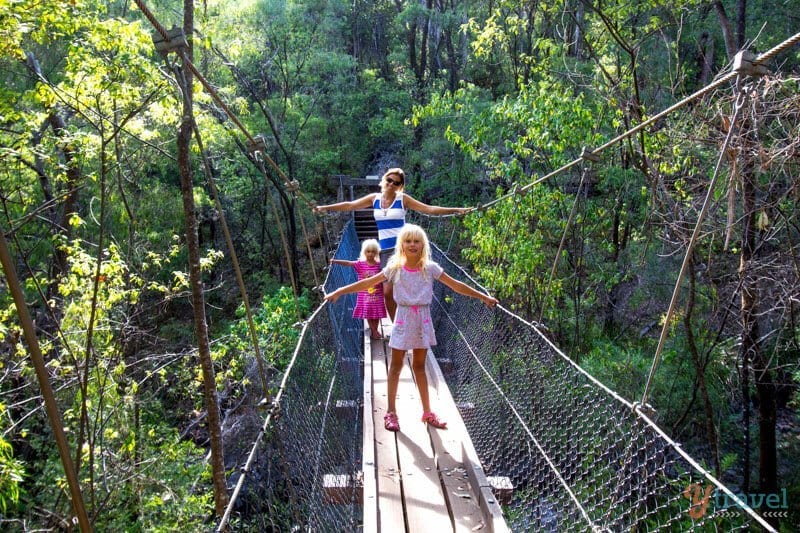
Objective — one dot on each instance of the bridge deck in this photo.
(421, 478)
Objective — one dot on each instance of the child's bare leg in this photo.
(421, 377)
(373, 327)
(396, 365)
(388, 299)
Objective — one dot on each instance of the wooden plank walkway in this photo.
(419, 479)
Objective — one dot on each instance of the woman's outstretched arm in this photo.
(416, 205)
(362, 203)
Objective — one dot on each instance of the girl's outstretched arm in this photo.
(466, 290)
(343, 262)
(360, 285)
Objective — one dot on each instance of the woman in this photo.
(389, 208)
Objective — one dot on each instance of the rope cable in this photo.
(234, 258)
(741, 97)
(760, 60)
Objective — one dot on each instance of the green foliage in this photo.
(11, 471)
(275, 322)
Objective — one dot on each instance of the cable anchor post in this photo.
(744, 64)
(175, 41)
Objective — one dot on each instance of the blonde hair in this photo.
(367, 245)
(397, 171)
(397, 260)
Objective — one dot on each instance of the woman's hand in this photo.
(490, 301)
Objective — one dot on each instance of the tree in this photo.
(196, 281)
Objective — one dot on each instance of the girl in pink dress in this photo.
(369, 302)
(412, 272)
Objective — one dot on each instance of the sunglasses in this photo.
(395, 183)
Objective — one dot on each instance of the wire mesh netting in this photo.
(571, 454)
(308, 468)
(578, 456)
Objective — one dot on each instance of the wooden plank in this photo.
(426, 507)
(370, 490)
(462, 498)
(455, 447)
(390, 499)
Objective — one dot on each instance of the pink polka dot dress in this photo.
(369, 302)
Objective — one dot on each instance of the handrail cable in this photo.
(524, 425)
(270, 415)
(637, 408)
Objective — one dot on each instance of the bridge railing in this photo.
(306, 474)
(565, 452)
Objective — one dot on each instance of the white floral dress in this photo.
(413, 292)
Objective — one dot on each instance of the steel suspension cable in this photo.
(51, 406)
(234, 258)
(561, 244)
(758, 61)
(292, 186)
(210, 88)
(186, 61)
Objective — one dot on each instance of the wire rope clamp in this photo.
(588, 155)
(644, 408)
(257, 144)
(176, 40)
(744, 64)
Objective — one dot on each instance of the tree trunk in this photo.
(195, 277)
(751, 350)
(725, 26)
(741, 23)
(700, 369)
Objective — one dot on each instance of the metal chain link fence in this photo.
(566, 453)
(307, 473)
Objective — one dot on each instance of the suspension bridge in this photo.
(534, 443)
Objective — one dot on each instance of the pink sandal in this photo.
(433, 420)
(390, 422)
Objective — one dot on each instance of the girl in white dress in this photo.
(412, 273)
(389, 207)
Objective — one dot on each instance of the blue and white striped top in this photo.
(389, 221)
